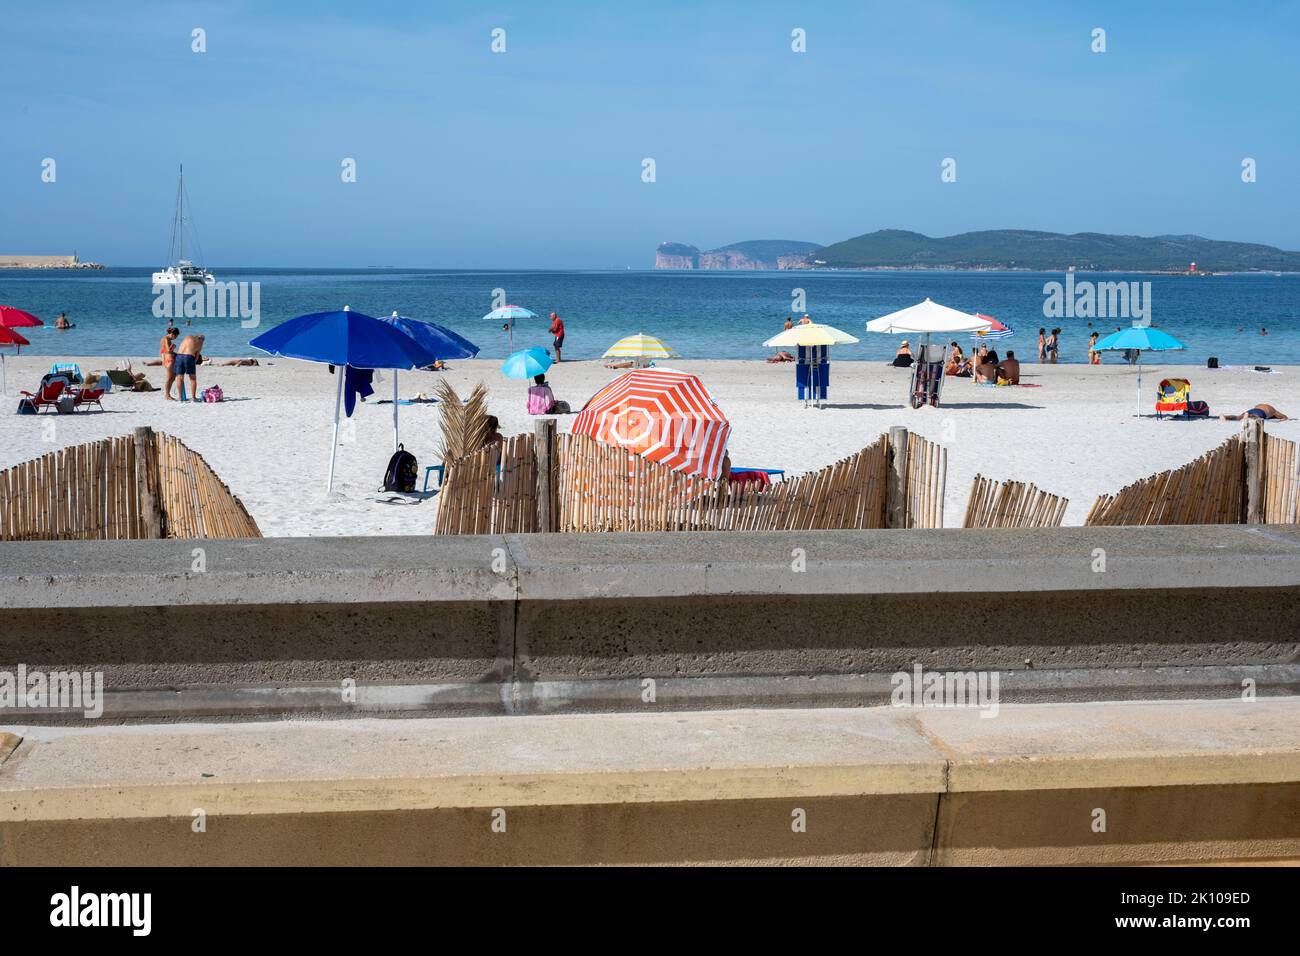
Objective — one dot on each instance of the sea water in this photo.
(698, 314)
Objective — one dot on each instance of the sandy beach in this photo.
(1074, 435)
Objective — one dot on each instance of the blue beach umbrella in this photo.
(344, 338)
(1139, 338)
(526, 363)
(441, 343)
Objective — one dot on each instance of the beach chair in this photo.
(770, 472)
(48, 394)
(120, 376)
(87, 397)
(1174, 399)
(70, 369)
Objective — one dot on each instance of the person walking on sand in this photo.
(167, 349)
(188, 355)
(557, 330)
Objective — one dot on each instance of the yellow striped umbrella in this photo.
(639, 346)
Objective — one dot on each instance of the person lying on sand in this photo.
(782, 356)
(243, 361)
(1261, 410)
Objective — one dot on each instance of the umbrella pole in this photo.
(334, 444)
(1139, 414)
(394, 409)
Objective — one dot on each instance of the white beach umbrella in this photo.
(928, 318)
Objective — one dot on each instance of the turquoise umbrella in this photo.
(1139, 338)
(526, 363)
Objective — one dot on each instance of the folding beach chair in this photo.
(1174, 398)
(49, 392)
(88, 396)
(70, 369)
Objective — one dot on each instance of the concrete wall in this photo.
(550, 623)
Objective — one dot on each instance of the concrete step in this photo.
(1127, 782)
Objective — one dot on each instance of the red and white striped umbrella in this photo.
(662, 415)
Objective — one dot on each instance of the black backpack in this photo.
(402, 470)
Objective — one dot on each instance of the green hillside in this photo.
(1049, 251)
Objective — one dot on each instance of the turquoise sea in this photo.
(699, 314)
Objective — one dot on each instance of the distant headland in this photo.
(45, 262)
(991, 249)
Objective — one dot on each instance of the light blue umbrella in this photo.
(1139, 338)
(508, 314)
(526, 363)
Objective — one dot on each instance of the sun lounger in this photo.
(87, 397)
(71, 369)
(48, 394)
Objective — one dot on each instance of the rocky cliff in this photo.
(755, 254)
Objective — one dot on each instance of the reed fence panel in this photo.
(1012, 504)
(98, 491)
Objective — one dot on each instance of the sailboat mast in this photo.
(180, 210)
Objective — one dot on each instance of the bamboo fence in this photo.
(1281, 481)
(492, 491)
(927, 482)
(1209, 490)
(101, 491)
(600, 487)
(1012, 504)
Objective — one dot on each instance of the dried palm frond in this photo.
(464, 424)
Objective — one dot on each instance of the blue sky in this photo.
(532, 158)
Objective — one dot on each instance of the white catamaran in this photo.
(183, 271)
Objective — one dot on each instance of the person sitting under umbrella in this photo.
(1261, 411)
(903, 357)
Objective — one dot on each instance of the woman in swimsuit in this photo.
(167, 349)
(1042, 345)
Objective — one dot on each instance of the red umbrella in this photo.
(662, 415)
(17, 318)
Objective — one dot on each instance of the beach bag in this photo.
(560, 408)
(26, 406)
(213, 393)
(1198, 409)
(1212, 362)
(402, 469)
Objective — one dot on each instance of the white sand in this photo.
(1075, 436)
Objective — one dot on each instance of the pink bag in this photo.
(540, 399)
(213, 393)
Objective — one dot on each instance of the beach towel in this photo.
(812, 381)
(356, 381)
